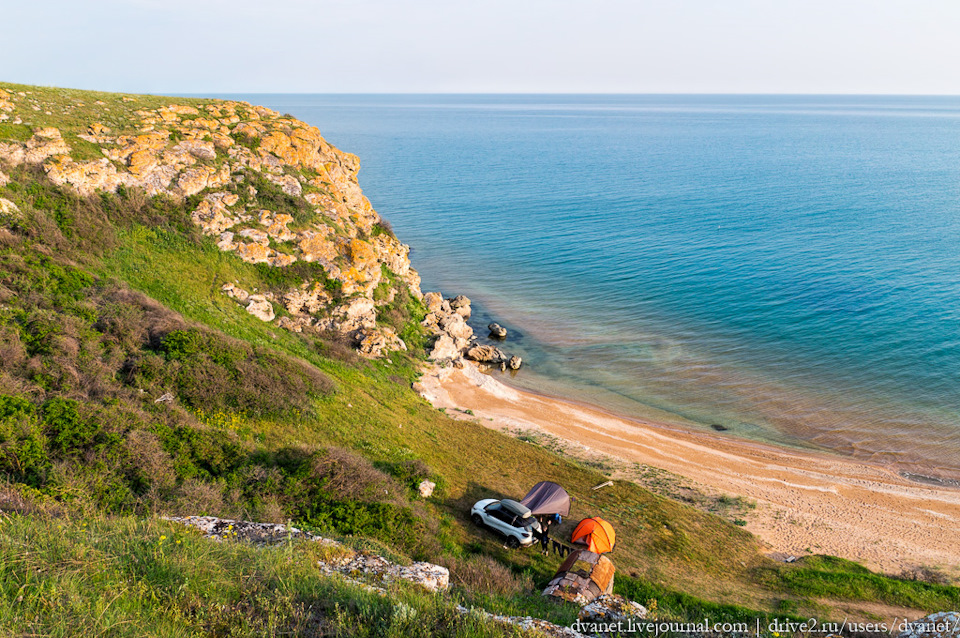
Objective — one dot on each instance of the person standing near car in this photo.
(545, 535)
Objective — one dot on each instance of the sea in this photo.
(777, 268)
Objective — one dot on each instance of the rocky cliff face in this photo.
(265, 186)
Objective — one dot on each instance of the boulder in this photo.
(455, 326)
(485, 354)
(444, 348)
(307, 300)
(610, 608)
(198, 148)
(44, 143)
(515, 362)
(4, 180)
(255, 253)
(192, 180)
(260, 308)
(8, 208)
(236, 292)
(317, 247)
(376, 342)
(497, 331)
(433, 301)
(226, 242)
(426, 488)
(461, 305)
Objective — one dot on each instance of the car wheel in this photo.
(512, 542)
(477, 519)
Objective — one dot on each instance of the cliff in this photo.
(267, 187)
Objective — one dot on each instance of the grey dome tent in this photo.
(547, 498)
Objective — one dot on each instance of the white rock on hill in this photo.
(944, 624)
(260, 308)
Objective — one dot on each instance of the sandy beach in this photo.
(805, 502)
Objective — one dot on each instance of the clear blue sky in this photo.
(620, 46)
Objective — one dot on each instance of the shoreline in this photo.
(807, 502)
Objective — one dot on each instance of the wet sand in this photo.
(806, 502)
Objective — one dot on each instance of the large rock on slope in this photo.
(944, 624)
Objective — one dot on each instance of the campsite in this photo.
(585, 572)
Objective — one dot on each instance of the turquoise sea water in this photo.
(785, 267)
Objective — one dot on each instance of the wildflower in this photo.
(163, 538)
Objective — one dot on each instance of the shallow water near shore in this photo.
(785, 267)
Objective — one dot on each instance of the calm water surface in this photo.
(786, 267)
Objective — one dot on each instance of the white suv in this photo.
(510, 518)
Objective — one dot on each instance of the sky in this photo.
(484, 46)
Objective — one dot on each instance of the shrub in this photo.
(70, 431)
(346, 475)
(378, 520)
(23, 446)
(483, 574)
(213, 373)
(382, 227)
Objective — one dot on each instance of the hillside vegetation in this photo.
(201, 314)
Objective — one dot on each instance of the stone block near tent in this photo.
(582, 577)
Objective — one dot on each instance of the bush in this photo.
(346, 475)
(389, 523)
(23, 446)
(484, 575)
(213, 373)
(70, 431)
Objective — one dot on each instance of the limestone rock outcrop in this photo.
(353, 564)
(944, 624)
(264, 186)
(446, 321)
(611, 609)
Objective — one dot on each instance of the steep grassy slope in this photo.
(113, 301)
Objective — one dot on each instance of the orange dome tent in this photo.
(596, 533)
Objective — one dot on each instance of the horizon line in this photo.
(176, 93)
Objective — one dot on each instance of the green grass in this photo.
(835, 578)
(105, 576)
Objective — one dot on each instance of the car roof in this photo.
(514, 507)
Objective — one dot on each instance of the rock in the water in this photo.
(260, 308)
(497, 331)
(515, 362)
(461, 305)
(610, 608)
(426, 488)
(485, 354)
(944, 624)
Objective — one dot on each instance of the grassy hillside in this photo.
(112, 301)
